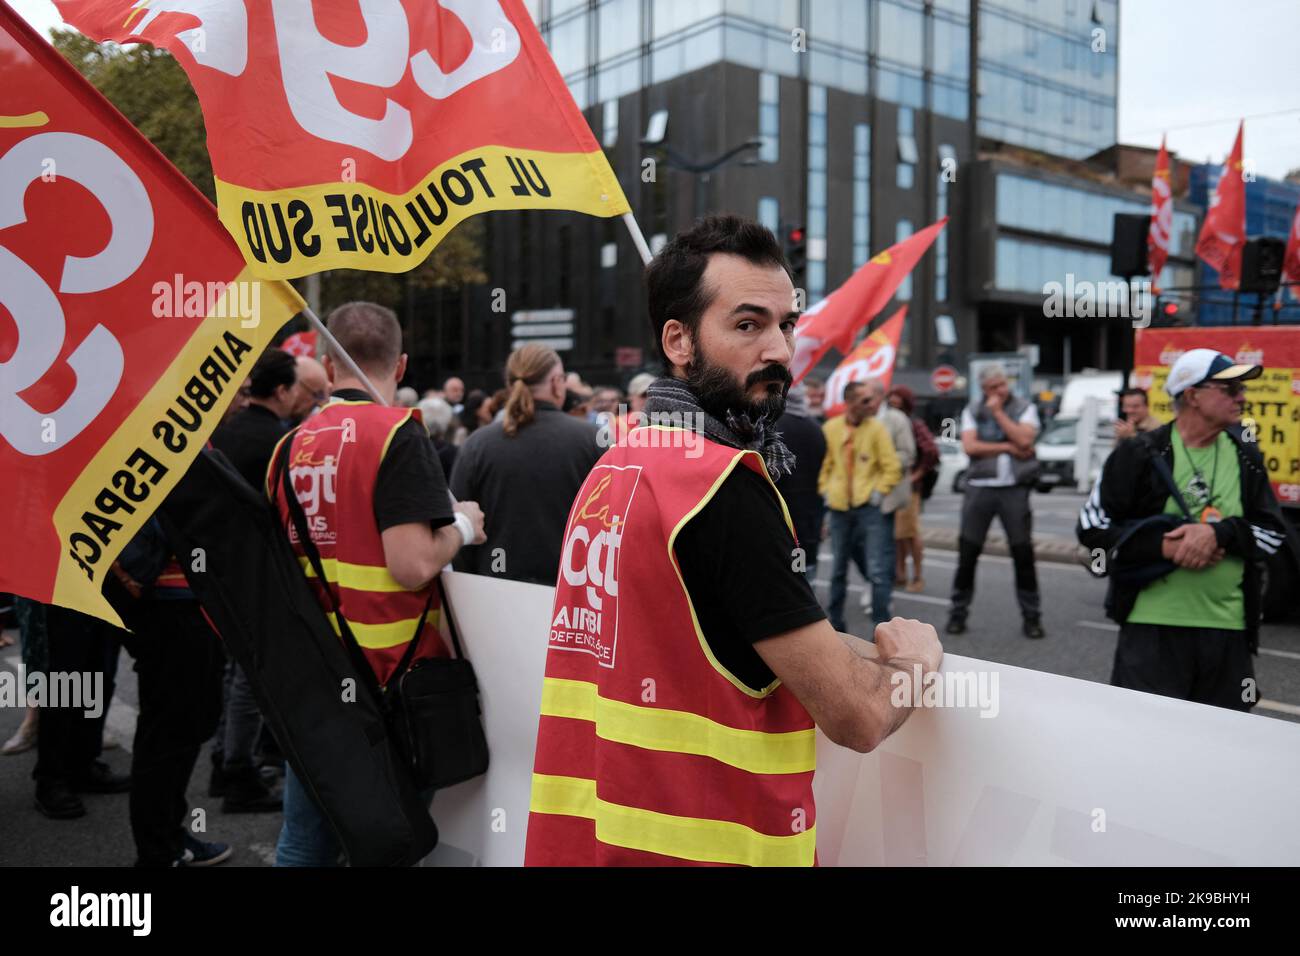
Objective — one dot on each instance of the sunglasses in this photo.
(1231, 389)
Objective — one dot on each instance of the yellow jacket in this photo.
(875, 463)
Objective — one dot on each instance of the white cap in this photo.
(1198, 366)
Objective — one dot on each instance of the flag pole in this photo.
(637, 238)
(337, 351)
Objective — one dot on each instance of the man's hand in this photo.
(471, 510)
(1124, 429)
(911, 640)
(993, 403)
(1193, 546)
(1024, 454)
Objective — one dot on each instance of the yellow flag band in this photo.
(350, 225)
(144, 459)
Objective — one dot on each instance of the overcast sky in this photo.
(1189, 67)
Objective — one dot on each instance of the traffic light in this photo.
(1261, 265)
(795, 240)
(1174, 312)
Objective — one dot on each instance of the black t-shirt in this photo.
(248, 439)
(737, 561)
(410, 487)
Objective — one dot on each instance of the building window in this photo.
(901, 232)
(947, 171)
(769, 213)
(907, 153)
(861, 194)
(769, 117)
(609, 134)
(816, 242)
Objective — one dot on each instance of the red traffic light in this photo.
(796, 235)
(1171, 308)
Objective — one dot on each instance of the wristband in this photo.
(462, 524)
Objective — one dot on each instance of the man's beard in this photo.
(718, 393)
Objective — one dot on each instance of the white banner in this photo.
(1062, 772)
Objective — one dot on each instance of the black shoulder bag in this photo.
(431, 706)
(1140, 575)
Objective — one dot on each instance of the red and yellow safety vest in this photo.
(334, 464)
(649, 752)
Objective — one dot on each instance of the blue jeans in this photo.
(305, 838)
(864, 535)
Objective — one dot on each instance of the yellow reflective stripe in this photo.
(678, 731)
(687, 838)
(360, 577)
(379, 636)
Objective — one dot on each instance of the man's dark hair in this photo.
(852, 388)
(1140, 392)
(674, 278)
(274, 368)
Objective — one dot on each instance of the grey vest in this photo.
(1025, 471)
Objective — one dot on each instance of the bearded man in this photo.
(689, 662)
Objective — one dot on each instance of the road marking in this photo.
(264, 852)
(1039, 563)
(121, 720)
(1098, 625)
(1291, 709)
(1292, 655)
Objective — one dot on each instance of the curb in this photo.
(1047, 547)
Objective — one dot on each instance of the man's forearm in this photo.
(1020, 434)
(879, 676)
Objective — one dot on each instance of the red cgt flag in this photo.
(357, 135)
(836, 320)
(128, 320)
(1162, 216)
(873, 358)
(1223, 234)
(1291, 261)
(300, 343)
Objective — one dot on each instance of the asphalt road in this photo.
(1080, 643)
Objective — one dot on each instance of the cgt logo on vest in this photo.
(587, 619)
(314, 469)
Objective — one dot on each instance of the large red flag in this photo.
(1162, 216)
(873, 358)
(1291, 261)
(1223, 234)
(836, 320)
(128, 320)
(357, 135)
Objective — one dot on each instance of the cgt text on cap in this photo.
(1198, 366)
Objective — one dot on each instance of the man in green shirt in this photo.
(1188, 597)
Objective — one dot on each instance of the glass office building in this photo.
(867, 119)
(1048, 74)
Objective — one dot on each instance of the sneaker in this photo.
(916, 587)
(246, 793)
(198, 853)
(1034, 628)
(956, 625)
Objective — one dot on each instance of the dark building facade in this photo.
(867, 120)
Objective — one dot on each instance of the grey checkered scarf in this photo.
(672, 396)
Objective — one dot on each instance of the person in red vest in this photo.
(378, 510)
(688, 660)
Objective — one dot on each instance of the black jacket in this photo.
(1130, 489)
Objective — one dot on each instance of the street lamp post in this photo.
(702, 170)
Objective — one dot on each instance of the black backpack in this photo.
(255, 595)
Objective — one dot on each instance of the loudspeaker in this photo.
(1128, 245)
(1261, 264)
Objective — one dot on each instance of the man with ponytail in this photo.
(688, 659)
(525, 470)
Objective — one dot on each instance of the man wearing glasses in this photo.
(1185, 589)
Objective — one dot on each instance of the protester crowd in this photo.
(485, 481)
